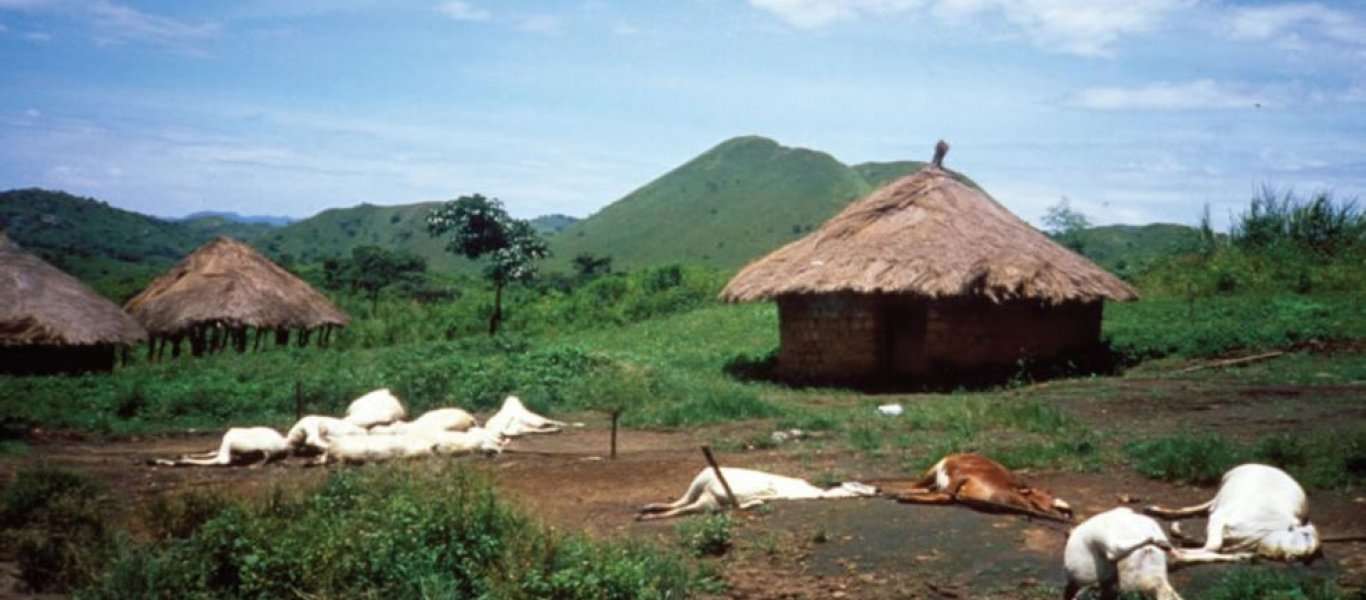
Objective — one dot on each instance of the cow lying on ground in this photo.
(751, 489)
(357, 449)
(1118, 551)
(441, 419)
(513, 420)
(311, 431)
(979, 482)
(1258, 510)
(241, 445)
(379, 407)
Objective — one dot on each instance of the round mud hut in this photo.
(52, 323)
(927, 281)
(223, 292)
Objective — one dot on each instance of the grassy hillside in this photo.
(1130, 247)
(336, 231)
(210, 226)
(552, 224)
(733, 203)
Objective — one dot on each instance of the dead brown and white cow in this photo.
(976, 481)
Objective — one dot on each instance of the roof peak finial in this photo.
(940, 150)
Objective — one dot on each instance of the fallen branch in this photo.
(1228, 362)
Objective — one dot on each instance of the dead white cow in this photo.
(312, 430)
(379, 407)
(440, 419)
(474, 439)
(513, 420)
(360, 449)
(751, 488)
(1118, 551)
(1259, 510)
(256, 445)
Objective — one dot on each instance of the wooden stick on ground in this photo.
(1233, 361)
(711, 460)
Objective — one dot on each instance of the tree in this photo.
(479, 227)
(1066, 225)
(371, 269)
(589, 266)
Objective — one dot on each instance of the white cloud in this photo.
(22, 4)
(810, 14)
(540, 24)
(32, 113)
(38, 36)
(463, 11)
(1202, 94)
(625, 29)
(1296, 22)
(116, 23)
(3, 28)
(1083, 27)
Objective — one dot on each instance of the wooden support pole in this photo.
(175, 346)
(161, 349)
(256, 347)
(151, 347)
(711, 460)
(615, 415)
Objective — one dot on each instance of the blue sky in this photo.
(1135, 111)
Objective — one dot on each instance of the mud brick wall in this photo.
(968, 334)
(829, 336)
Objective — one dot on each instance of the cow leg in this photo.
(1202, 556)
(1179, 513)
(700, 505)
(925, 497)
(1072, 590)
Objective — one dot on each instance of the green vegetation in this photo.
(479, 228)
(373, 532)
(718, 209)
(54, 520)
(1266, 583)
(1320, 460)
(709, 535)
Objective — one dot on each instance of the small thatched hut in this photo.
(225, 287)
(52, 323)
(923, 279)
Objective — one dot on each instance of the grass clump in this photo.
(1335, 460)
(1200, 459)
(408, 531)
(54, 520)
(709, 535)
(1266, 583)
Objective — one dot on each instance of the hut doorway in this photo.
(904, 351)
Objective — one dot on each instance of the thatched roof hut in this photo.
(51, 322)
(228, 286)
(926, 272)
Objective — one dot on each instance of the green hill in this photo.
(1124, 248)
(211, 226)
(552, 224)
(334, 232)
(726, 207)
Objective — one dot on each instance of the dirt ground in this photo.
(861, 548)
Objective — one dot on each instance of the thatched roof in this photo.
(41, 305)
(228, 282)
(928, 235)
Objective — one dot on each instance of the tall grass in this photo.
(387, 532)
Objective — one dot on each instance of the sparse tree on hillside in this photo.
(479, 227)
(1065, 225)
(590, 265)
(372, 268)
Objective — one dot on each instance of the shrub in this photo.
(385, 531)
(708, 535)
(1264, 583)
(54, 519)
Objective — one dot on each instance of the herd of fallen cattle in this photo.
(1259, 510)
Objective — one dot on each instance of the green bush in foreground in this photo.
(1264, 583)
(54, 520)
(399, 531)
(708, 535)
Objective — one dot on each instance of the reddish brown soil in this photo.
(866, 548)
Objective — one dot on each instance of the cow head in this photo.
(1044, 502)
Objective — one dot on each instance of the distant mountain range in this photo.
(237, 218)
(729, 205)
